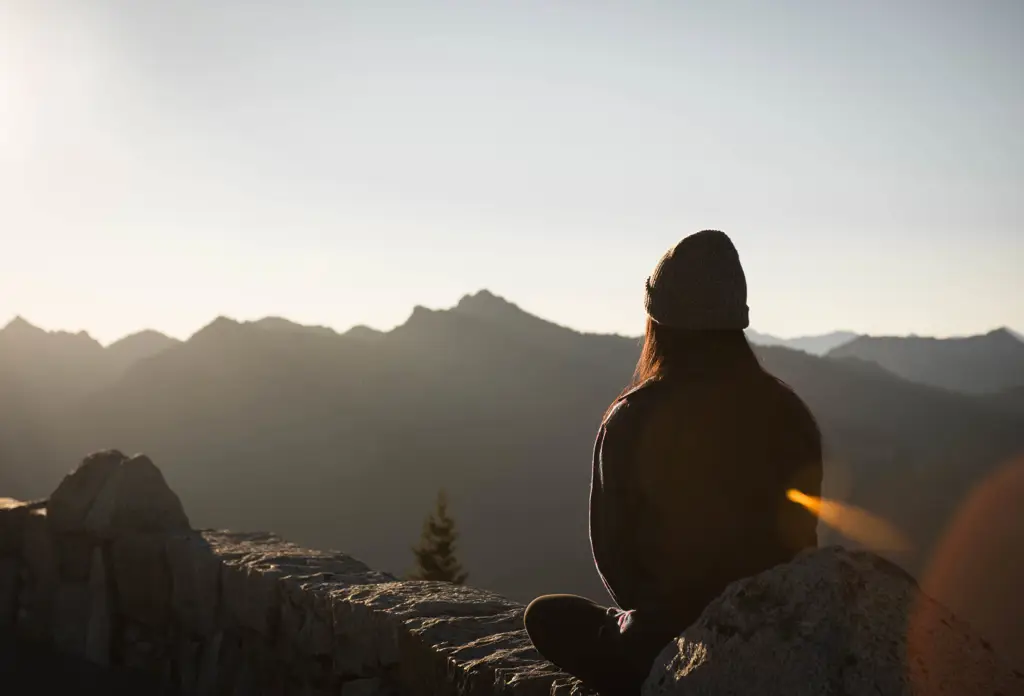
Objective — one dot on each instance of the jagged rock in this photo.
(41, 575)
(306, 616)
(568, 686)
(831, 622)
(110, 492)
(71, 611)
(442, 639)
(74, 555)
(97, 637)
(38, 550)
(366, 687)
(255, 565)
(13, 515)
(10, 568)
(141, 577)
(70, 503)
(195, 582)
(81, 617)
(209, 665)
(219, 612)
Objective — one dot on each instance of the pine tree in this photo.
(435, 554)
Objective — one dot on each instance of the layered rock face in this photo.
(109, 570)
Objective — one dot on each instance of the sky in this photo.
(339, 162)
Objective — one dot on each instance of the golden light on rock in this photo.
(856, 524)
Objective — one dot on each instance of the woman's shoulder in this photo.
(634, 404)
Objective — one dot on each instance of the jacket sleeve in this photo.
(619, 505)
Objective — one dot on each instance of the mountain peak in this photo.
(363, 333)
(485, 303)
(1004, 333)
(981, 364)
(20, 325)
(140, 345)
(219, 327)
(287, 325)
(26, 334)
(818, 344)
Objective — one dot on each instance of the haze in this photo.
(339, 162)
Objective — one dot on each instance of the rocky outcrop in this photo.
(108, 571)
(831, 622)
(110, 493)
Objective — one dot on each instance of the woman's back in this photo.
(699, 467)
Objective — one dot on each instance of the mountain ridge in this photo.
(483, 301)
(817, 344)
(983, 364)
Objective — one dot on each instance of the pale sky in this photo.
(338, 162)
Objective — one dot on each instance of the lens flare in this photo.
(854, 523)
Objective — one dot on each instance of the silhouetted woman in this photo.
(690, 473)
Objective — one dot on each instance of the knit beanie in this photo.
(699, 284)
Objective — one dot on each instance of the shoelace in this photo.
(624, 618)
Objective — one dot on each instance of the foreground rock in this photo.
(110, 492)
(108, 572)
(831, 622)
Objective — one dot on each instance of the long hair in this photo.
(700, 354)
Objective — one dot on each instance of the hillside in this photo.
(815, 345)
(1012, 399)
(43, 374)
(984, 364)
(342, 440)
(131, 349)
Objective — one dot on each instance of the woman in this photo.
(690, 473)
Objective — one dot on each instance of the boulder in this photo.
(109, 493)
(438, 638)
(195, 583)
(39, 558)
(10, 569)
(13, 516)
(142, 578)
(830, 622)
(366, 687)
(98, 633)
(70, 503)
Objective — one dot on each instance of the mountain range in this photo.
(815, 345)
(342, 440)
(986, 364)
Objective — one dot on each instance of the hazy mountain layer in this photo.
(986, 364)
(815, 345)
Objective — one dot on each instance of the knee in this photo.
(539, 617)
(533, 617)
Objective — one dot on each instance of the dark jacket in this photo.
(689, 489)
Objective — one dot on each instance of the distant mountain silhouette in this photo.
(58, 367)
(815, 345)
(364, 333)
(985, 364)
(1011, 398)
(342, 440)
(138, 346)
(279, 324)
(42, 374)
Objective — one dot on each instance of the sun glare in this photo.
(852, 522)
